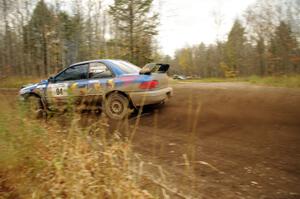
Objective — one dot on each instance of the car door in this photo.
(99, 77)
(69, 86)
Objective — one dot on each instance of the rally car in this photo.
(115, 86)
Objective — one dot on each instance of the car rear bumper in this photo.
(150, 97)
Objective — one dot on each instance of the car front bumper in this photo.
(150, 97)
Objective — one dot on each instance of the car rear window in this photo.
(126, 67)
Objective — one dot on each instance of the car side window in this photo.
(73, 73)
(99, 70)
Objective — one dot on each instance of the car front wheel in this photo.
(117, 106)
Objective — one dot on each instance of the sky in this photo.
(190, 22)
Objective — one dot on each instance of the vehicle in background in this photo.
(113, 85)
(179, 77)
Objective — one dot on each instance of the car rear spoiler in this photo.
(154, 68)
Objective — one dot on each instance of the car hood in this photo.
(28, 85)
(31, 87)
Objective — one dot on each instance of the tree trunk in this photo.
(45, 52)
(131, 20)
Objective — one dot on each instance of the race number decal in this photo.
(59, 90)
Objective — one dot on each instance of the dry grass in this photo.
(40, 160)
(59, 158)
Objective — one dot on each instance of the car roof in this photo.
(96, 60)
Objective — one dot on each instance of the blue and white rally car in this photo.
(115, 86)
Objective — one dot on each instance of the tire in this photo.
(34, 107)
(116, 106)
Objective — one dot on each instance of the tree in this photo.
(200, 63)
(283, 46)
(234, 48)
(39, 30)
(185, 60)
(136, 25)
(261, 18)
(7, 53)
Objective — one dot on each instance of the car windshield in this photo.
(126, 67)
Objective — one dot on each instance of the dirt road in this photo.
(226, 140)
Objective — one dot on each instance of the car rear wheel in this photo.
(34, 107)
(117, 106)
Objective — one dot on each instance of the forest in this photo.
(229, 128)
(39, 38)
(263, 41)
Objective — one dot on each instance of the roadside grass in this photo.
(42, 159)
(289, 81)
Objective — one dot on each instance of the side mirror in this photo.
(51, 79)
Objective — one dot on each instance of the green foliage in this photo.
(199, 60)
(282, 51)
(234, 50)
(229, 72)
(289, 81)
(46, 39)
(135, 26)
(185, 60)
(266, 43)
(37, 37)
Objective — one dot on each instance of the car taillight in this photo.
(149, 85)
